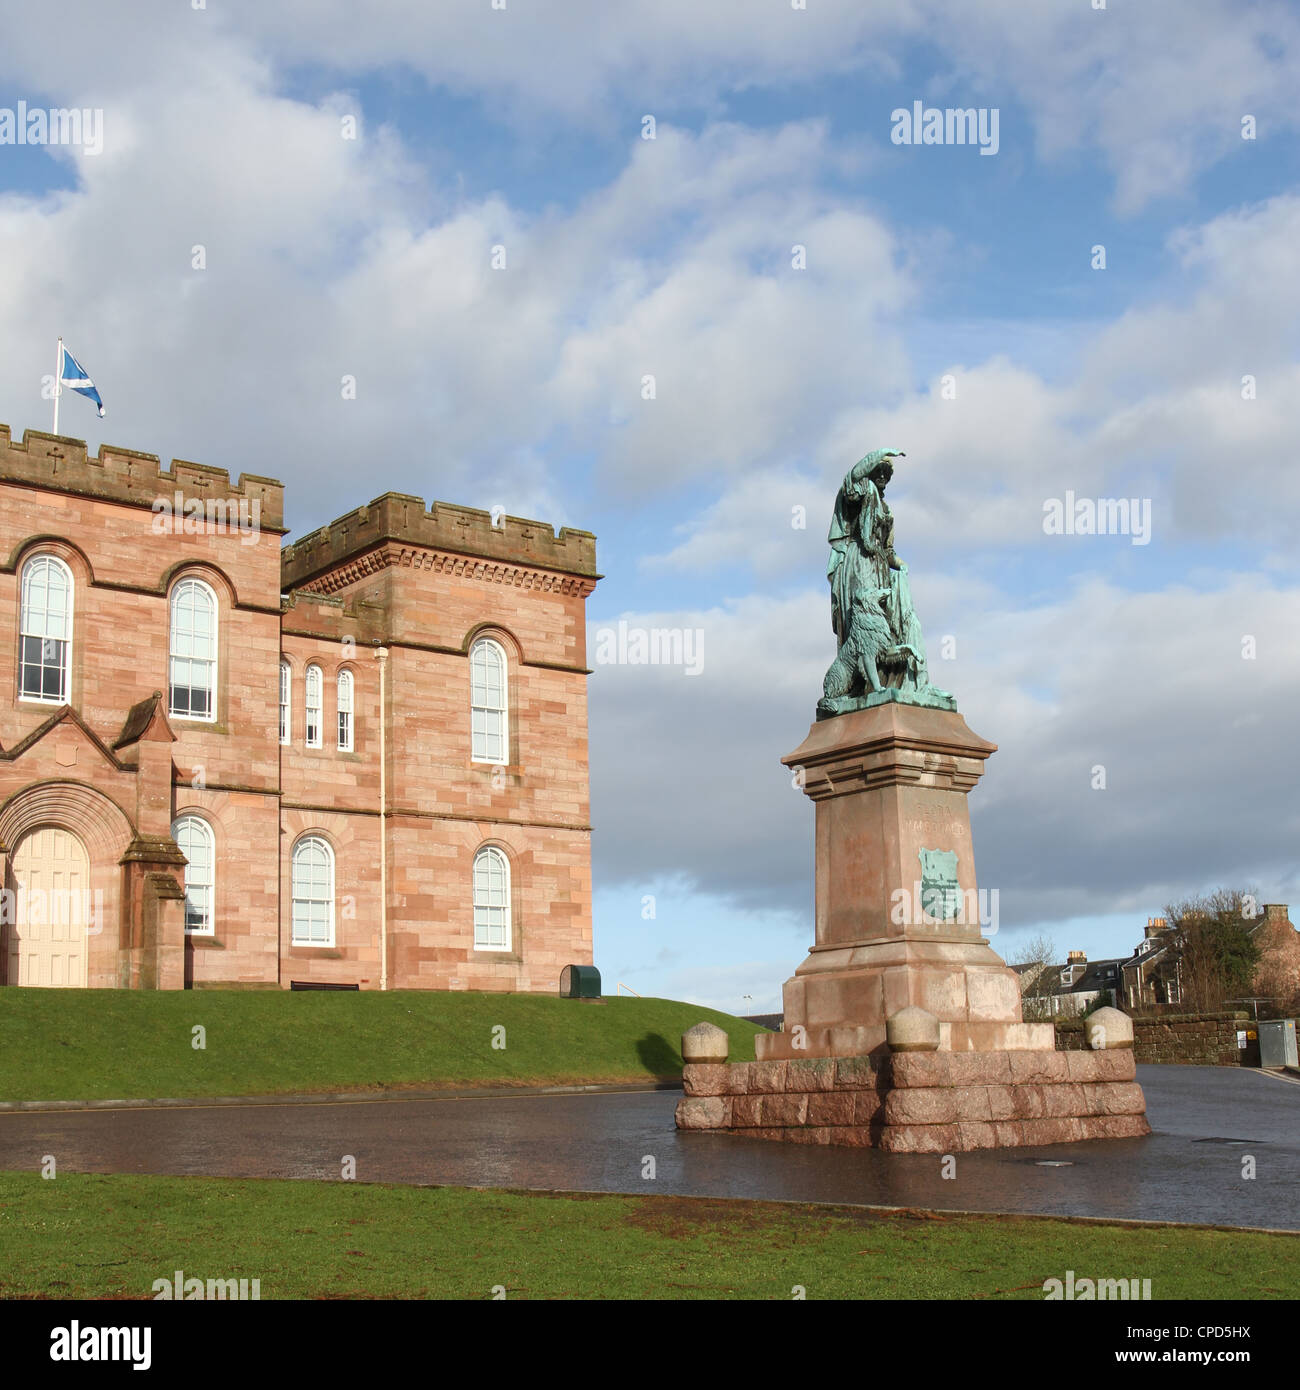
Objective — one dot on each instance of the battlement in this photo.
(57, 462)
(444, 526)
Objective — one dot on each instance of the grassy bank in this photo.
(98, 1237)
(105, 1044)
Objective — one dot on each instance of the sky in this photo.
(500, 220)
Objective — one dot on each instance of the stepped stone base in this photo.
(921, 1102)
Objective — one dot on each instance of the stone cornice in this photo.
(889, 745)
(396, 555)
(442, 649)
(410, 813)
(442, 529)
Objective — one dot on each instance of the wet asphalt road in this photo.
(1190, 1169)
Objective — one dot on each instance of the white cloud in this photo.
(320, 264)
(1151, 686)
(1155, 409)
(770, 521)
(1158, 90)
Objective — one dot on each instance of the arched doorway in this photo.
(49, 910)
(105, 833)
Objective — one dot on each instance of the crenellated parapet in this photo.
(58, 463)
(399, 529)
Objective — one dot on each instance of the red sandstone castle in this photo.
(360, 759)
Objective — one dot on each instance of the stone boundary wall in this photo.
(911, 1102)
(1202, 1040)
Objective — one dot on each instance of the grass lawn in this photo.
(126, 1044)
(85, 1236)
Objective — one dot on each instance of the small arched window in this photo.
(491, 900)
(345, 711)
(489, 724)
(315, 685)
(194, 836)
(193, 676)
(45, 631)
(286, 687)
(313, 892)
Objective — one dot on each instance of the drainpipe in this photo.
(381, 656)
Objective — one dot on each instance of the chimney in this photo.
(1076, 958)
(1155, 925)
(1276, 912)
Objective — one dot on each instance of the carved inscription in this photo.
(937, 820)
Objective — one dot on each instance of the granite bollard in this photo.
(1108, 1028)
(912, 1030)
(706, 1042)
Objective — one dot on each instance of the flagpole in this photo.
(58, 384)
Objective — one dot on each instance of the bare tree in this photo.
(1039, 978)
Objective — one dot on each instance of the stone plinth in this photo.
(903, 1028)
(922, 1102)
(898, 916)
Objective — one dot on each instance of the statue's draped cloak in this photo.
(856, 563)
(861, 539)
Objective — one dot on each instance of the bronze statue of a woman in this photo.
(880, 646)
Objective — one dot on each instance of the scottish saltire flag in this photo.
(73, 375)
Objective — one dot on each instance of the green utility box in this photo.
(579, 982)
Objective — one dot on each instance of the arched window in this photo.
(45, 631)
(194, 836)
(491, 900)
(315, 687)
(345, 711)
(489, 726)
(193, 676)
(313, 892)
(286, 686)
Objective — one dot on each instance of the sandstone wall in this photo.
(1203, 1040)
(423, 582)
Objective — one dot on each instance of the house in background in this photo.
(360, 760)
(1066, 991)
(1151, 974)
(1277, 977)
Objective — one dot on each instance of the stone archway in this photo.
(103, 830)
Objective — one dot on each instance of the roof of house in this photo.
(1156, 949)
(1097, 975)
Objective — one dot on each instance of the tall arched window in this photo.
(286, 687)
(313, 892)
(315, 685)
(193, 676)
(45, 631)
(489, 725)
(194, 836)
(491, 900)
(345, 711)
